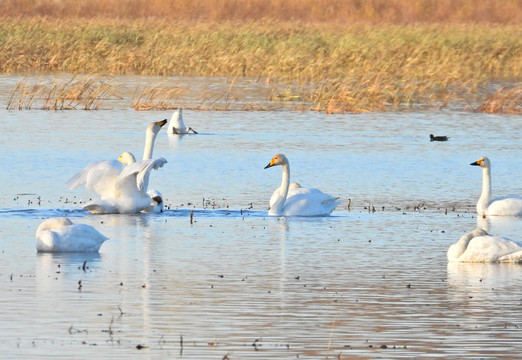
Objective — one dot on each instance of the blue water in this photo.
(235, 282)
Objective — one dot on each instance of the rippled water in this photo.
(236, 282)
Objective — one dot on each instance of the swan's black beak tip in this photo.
(266, 167)
(475, 163)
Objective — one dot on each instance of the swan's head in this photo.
(54, 223)
(483, 162)
(278, 159)
(155, 126)
(127, 158)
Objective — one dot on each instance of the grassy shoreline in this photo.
(334, 67)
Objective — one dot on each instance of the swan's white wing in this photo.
(489, 249)
(71, 238)
(309, 202)
(98, 177)
(505, 206)
(137, 174)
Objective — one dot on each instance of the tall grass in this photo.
(84, 92)
(330, 11)
(335, 67)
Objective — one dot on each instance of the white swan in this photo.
(295, 200)
(129, 194)
(176, 124)
(502, 206)
(61, 235)
(479, 246)
(103, 177)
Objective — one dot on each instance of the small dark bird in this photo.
(438, 138)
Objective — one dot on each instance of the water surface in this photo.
(235, 282)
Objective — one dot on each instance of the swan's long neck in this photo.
(149, 145)
(285, 184)
(460, 246)
(485, 197)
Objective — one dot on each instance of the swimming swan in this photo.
(479, 246)
(61, 235)
(294, 200)
(101, 177)
(176, 124)
(502, 206)
(129, 194)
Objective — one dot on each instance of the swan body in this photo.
(129, 194)
(479, 246)
(101, 175)
(177, 126)
(113, 180)
(156, 205)
(61, 235)
(295, 200)
(502, 206)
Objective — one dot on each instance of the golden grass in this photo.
(329, 11)
(504, 101)
(84, 92)
(330, 67)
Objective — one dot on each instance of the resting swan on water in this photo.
(177, 126)
(479, 246)
(502, 206)
(61, 235)
(294, 200)
(123, 189)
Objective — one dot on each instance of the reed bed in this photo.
(333, 67)
(83, 92)
(504, 101)
(330, 11)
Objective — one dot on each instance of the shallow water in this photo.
(236, 282)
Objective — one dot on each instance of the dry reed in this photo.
(504, 101)
(330, 67)
(85, 93)
(329, 11)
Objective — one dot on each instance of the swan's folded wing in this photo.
(98, 177)
(505, 206)
(309, 202)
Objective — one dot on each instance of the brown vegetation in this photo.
(331, 11)
(504, 101)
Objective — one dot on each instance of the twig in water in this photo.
(191, 215)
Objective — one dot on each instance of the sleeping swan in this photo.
(61, 235)
(478, 246)
(177, 126)
(502, 206)
(294, 200)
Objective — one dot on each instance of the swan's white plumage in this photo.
(479, 246)
(101, 176)
(157, 204)
(177, 125)
(61, 235)
(501, 206)
(130, 190)
(291, 199)
(116, 191)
